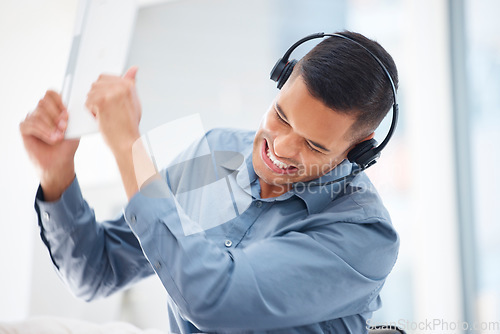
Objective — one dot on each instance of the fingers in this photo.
(48, 121)
(30, 127)
(56, 99)
(51, 105)
(110, 89)
(131, 73)
(114, 103)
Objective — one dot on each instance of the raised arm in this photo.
(43, 136)
(114, 102)
(93, 258)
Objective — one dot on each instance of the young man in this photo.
(298, 257)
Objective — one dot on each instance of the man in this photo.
(300, 258)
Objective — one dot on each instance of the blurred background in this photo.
(213, 57)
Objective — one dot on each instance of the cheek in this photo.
(319, 166)
(269, 123)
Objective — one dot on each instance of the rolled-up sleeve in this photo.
(297, 278)
(95, 259)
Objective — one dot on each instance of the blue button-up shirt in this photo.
(312, 260)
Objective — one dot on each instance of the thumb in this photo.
(131, 73)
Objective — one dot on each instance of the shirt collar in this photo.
(314, 193)
(317, 195)
(249, 181)
(245, 174)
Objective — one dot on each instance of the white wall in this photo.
(415, 174)
(437, 276)
(34, 41)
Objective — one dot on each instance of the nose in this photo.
(286, 145)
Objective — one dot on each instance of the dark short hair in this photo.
(347, 79)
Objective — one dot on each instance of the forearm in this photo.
(135, 166)
(55, 182)
(125, 165)
(94, 259)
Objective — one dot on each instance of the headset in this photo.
(366, 153)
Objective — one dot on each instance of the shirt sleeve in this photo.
(94, 259)
(297, 278)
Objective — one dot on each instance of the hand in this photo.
(114, 103)
(43, 136)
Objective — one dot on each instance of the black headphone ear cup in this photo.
(363, 153)
(285, 74)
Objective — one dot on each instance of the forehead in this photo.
(311, 118)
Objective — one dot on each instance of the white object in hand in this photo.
(101, 40)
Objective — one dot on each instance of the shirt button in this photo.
(228, 243)
(157, 265)
(45, 216)
(258, 204)
(133, 219)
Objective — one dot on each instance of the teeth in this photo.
(276, 162)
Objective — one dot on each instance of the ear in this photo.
(370, 136)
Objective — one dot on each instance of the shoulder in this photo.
(229, 138)
(218, 139)
(227, 146)
(362, 219)
(359, 201)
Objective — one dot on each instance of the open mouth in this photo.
(274, 163)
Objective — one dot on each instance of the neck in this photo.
(272, 190)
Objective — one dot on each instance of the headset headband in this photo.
(370, 152)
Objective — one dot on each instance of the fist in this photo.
(43, 136)
(114, 103)
(48, 121)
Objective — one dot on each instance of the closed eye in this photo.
(282, 120)
(312, 148)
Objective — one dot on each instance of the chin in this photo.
(266, 175)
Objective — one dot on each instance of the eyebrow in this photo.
(282, 114)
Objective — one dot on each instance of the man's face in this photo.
(299, 139)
